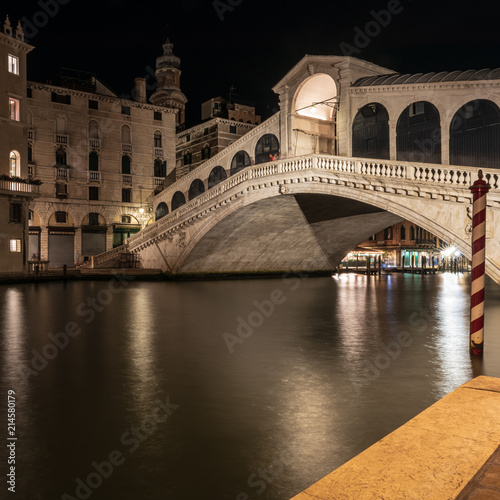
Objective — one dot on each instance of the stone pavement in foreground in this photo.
(449, 451)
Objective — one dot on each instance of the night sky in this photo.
(250, 44)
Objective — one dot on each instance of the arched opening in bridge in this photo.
(370, 132)
(475, 135)
(178, 200)
(240, 161)
(316, 97)
(196, 189)
(418, 133)
(267, 148)
(217, 174)
(161, 210)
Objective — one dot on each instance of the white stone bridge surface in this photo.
(305, 214)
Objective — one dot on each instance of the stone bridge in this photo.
(306, 213)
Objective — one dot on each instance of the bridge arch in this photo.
(195, 189)
(475, 135)
(161, 210)
(267, 147)
(178, 199)
(217, 174)
(418, 133)
(240, 160)
(370, 132)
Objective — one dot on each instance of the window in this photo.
(403, 232)
(126, 219)
(232, 129)
(126, 134)
(160, 168)
(126, 195)
(13, 64)
(158, 115)
(93, 192)
(29, 93)
(61, 190)
(14, 164)
(15, 246)
(61, 217)
(126, 110)
(188, 137)
(93, 161)
(157, 140)
(60, 157)
(30, 153)
(61, 98)
(93, 104)
(14, 109)
(205, 131)
(388, 233)
(205, 153)
(16, 212)
(125, 164)
(93, 219)
(188, 158)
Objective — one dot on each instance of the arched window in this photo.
(388, 233)
(61, 157)
(240, 161)
(178, 200)
(475, 135)
(126, 138)
(403, 232)
(93, 130)
(14, 164)
(418, 133)
(370, 132)
(217, 174)
(161, 210)
(205, 153)
(160, 168)
(93, 161)
(267, 148)
(125, 164)
(412, 233)
(196, 189)
(30, 153)
(157, 139)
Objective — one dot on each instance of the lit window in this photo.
(14, 109)
(13, 64)
(14, 164)
(15, 245)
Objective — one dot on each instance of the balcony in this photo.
(93, 176)
(61, 172)
(159, 152)
(62, 139)
(159, 181)
(95, 143)
(126, 179)
(20, 187)
(31, 134)
(127, 148)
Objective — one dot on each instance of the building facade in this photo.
(16, 190)
(100, 158)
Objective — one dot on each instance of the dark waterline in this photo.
(337, 365)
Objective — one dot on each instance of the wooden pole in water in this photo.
(479, 190)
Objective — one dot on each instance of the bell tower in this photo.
(168, 75)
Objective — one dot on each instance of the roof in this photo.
(443, 76)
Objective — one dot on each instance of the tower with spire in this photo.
(168, 75)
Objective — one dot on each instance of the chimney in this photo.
(140, 89)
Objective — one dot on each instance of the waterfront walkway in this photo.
(449, 451)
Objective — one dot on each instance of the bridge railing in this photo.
(436, 174)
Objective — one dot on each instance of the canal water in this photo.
(223, 390)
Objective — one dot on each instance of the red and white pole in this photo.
(479, 190)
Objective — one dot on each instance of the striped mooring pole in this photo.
(479, 190)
